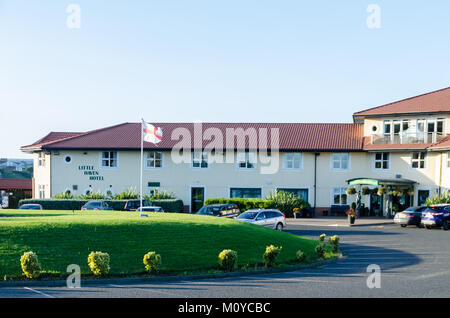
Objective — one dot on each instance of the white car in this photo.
(150, 209)
(273, 219)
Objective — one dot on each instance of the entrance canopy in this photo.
(381, 182)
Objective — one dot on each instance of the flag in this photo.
(151, 133)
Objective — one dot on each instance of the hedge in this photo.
(169, 205)
(243, 204)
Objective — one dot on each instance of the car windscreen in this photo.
(248, 215)
(93, 204)
(209, 210)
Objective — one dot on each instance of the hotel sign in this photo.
(90, 171)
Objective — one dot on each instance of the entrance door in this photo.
(197, 199)
(376, 205)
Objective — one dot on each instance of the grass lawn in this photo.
(187, 243)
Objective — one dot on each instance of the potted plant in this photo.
(382, 191)
(366, 190)
(351, 214)
(351, 191)
(296, 212)
(397, 192)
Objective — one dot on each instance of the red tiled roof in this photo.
(16, 184)
(293, 136)
(434, 102)
(443, 143)
(51, 137)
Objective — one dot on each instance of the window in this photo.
(200, 160)
(41, 189)
(418, 160)
(382, 160)
(246, 160)
(299, 193)
(41, 159)
(245, 193)
(109, 159)
(154, 159)
(340, 161)
(340, 196)
(293, 160)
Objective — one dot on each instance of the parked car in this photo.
(31, 207)
(96, 205)
(437, 215)
(222, 210)
(150, 209)
(133, 205)
(410, 216)
(273, 219)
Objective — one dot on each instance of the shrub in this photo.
(322, 237)
(243, 204)
(300, 256)
(30, 265)
(127, 194)
(443, 198)
(286, 202)
(320, 251)
(99, 263)
(152, 261)
(271, 254)
(92, 195)
(161, 195)
(227, 260)
(334, 242)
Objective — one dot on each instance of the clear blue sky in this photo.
(246, 60)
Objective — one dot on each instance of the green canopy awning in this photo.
(381, 182)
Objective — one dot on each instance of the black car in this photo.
(133, 205)
(410, 216)
(222, 210)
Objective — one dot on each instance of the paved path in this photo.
(414, 263)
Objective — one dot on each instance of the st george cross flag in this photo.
(151, 133)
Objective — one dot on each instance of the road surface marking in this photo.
(145, 289)
(38, 292)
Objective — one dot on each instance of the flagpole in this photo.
(142, 159)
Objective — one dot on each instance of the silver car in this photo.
(273, 219)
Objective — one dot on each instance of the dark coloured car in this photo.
(437, 216)
(96, 205)
(133, 205)
(410, 216)
(31, 207)
(221, 210)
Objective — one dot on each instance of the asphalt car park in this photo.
(413, 262)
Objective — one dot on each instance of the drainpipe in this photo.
(441, 163)
(315, 180)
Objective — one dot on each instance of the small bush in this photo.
(334, 242)
(99, 263)
(30, 265)
(152, 261)
(271, 254)
(320, 251)
(227, 260)
(322, 237)
(301, 257)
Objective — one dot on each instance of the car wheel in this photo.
(428, 227)
(403, 225)
(279, 227)
(445, 225)
(419, 225)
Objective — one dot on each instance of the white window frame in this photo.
(198, 158)
(247, 160)
(41, 190)
(419, 160)
(341, 192)
(292, 161)
(148, 159)
(246, 187)
(109, 159)
(41, 159)
(381, 161)
(332, 161)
